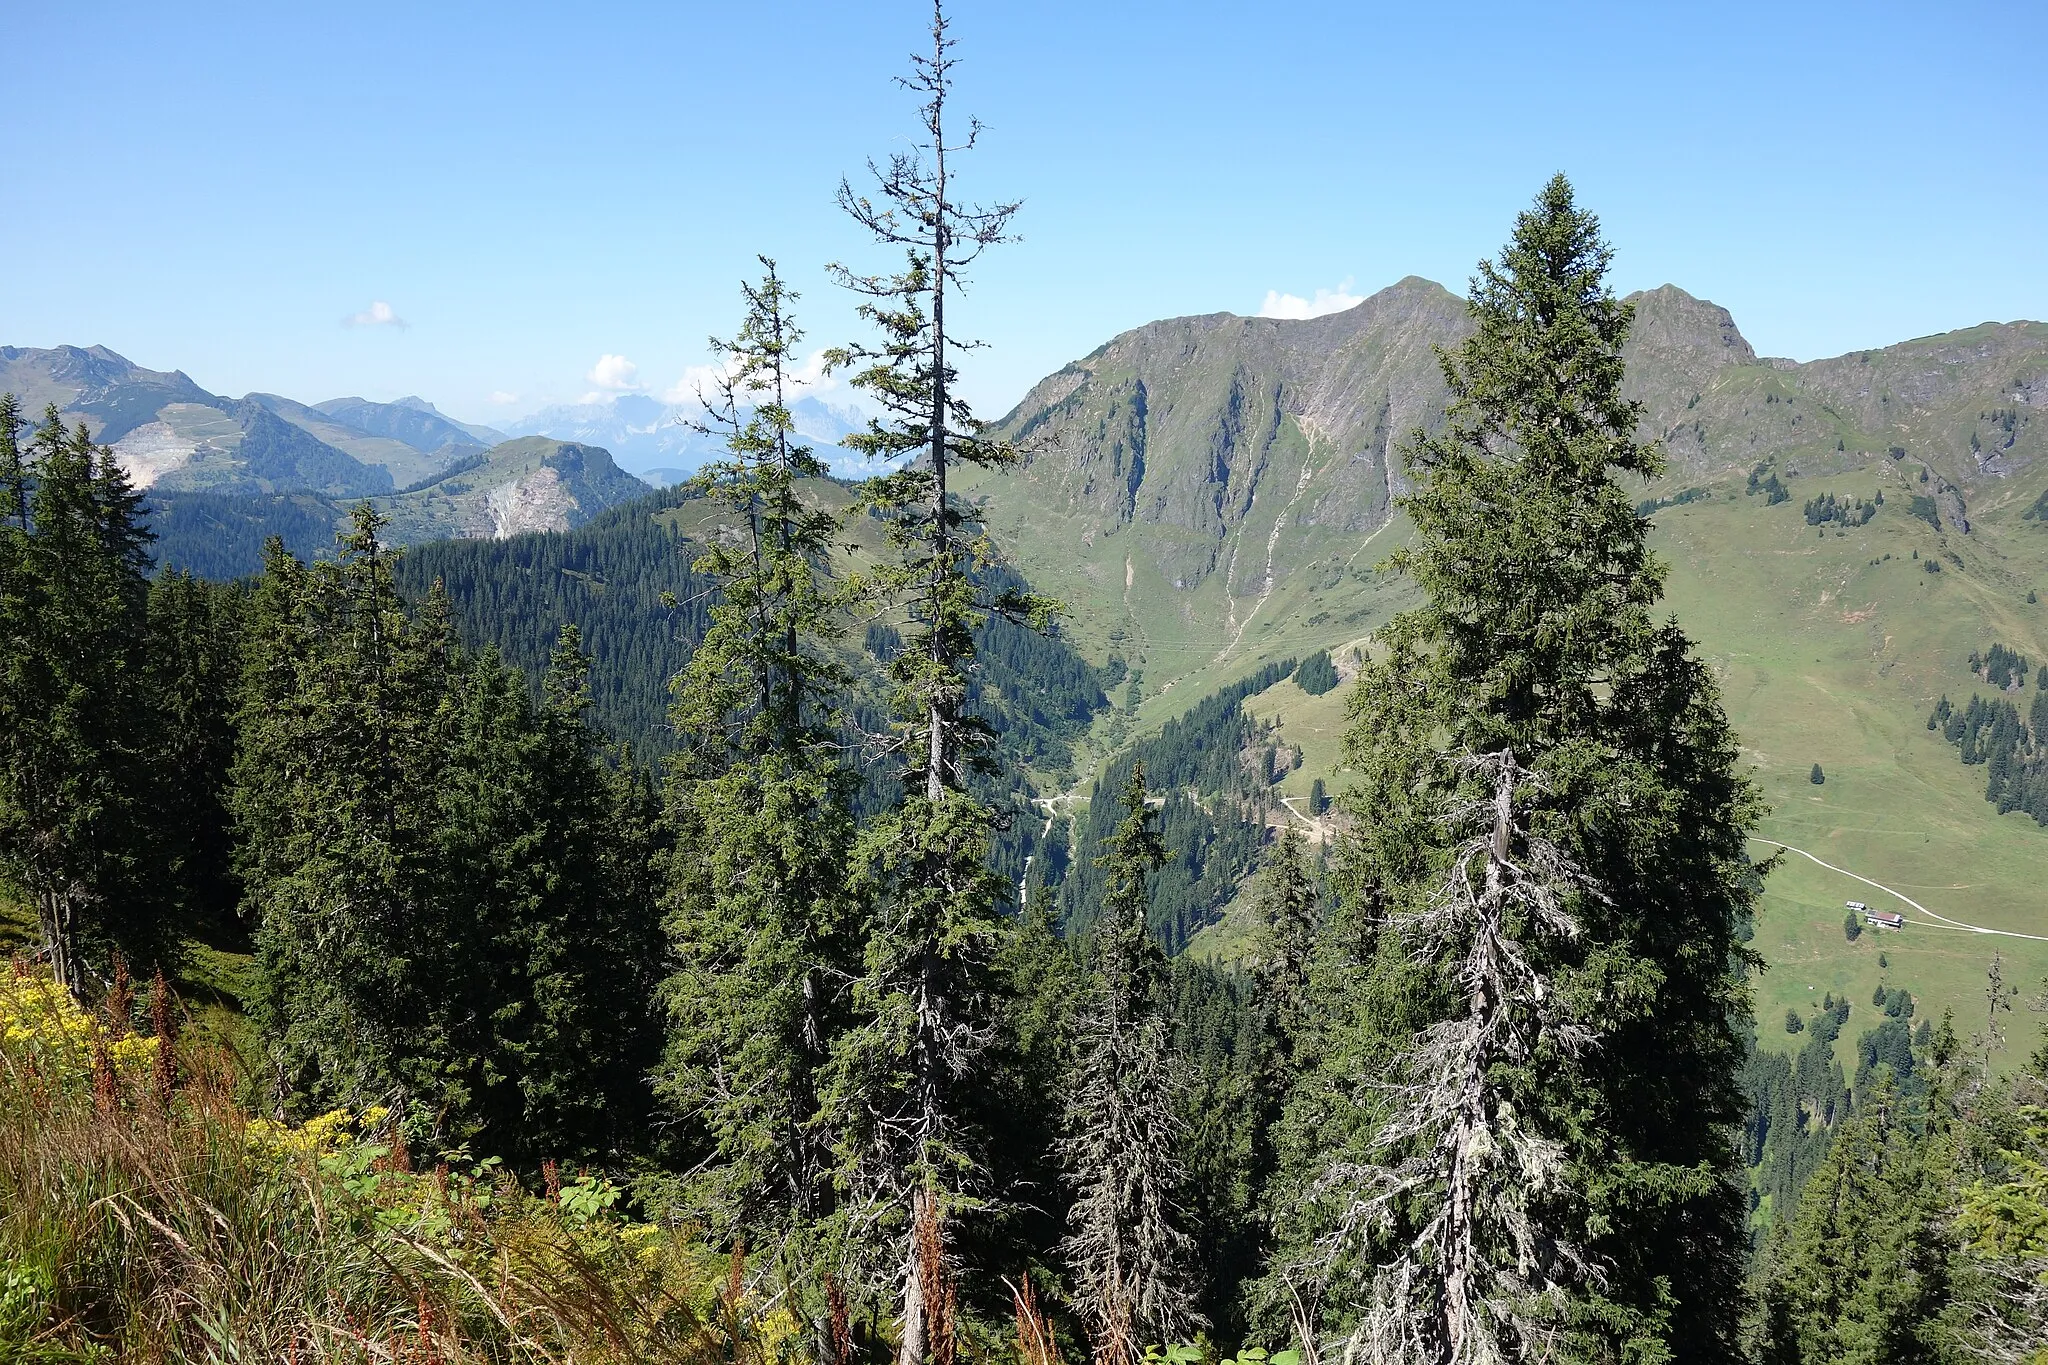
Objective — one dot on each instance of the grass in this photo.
(1824, 657)
(145, 1216)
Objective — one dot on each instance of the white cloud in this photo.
(378, 314)
(697, 380)
(500, 397)
(808, 377)
(1279, 305)
(614, 374)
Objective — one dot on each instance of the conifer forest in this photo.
(720, 932)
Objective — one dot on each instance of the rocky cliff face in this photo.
(531, 484)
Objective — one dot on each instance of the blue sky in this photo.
(532, 188)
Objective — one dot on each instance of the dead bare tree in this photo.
(1456, 1171)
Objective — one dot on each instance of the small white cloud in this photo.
(698, 381)
(1279, 305)
(378, 314)
(614, 374)
(500, 397)
(806, 378)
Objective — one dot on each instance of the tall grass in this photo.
(144, 1216)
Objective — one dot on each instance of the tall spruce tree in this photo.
(334, 830)
(1127, 1247)
(760, 915)
(905, 1074)
(1536, 644)
(76, 724)
(194, 674)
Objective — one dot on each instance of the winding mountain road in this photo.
(1937, 921)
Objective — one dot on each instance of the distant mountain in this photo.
(412, 420)
(223, 473)
(1211, 494)
(656, 439)
(528, 484)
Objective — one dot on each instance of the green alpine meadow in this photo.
(1492, 826)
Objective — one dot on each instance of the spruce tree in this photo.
(905, 1075)
(1536, 650)
(1288, 916)
(759, 911)
(76, 724)
(194, 677)
(455, 897)
(1127, 1247)
(335, 855)
(1862, 1274)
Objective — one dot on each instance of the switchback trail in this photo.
(1941, 920)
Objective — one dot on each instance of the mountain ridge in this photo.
(294, 462)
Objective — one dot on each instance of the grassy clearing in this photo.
(1828, 658)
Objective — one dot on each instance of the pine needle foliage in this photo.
(1537, 640)
(1127, 1247)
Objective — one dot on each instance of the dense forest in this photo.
(654, 946)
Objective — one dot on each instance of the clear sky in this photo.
(530, 189)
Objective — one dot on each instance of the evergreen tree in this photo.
(1862, 1274)
(926, 993)
(195, 672)
(1289, 916)
(760, 914)
(1127, 1247)
(334, 853)
(1537, 647)
(453, 888)
(76, 725)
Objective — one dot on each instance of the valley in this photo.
(1210, 493)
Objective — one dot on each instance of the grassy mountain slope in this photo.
(530, 484)
(406, 450)
(1209, 493)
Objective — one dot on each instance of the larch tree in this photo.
(760, 916)
(1536, 651)
(1127, 1247)
(905, 1074)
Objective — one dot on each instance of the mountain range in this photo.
(1843, 537)
(222, 472)
(662, 443)
(1209, 494)
(1201, 476)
